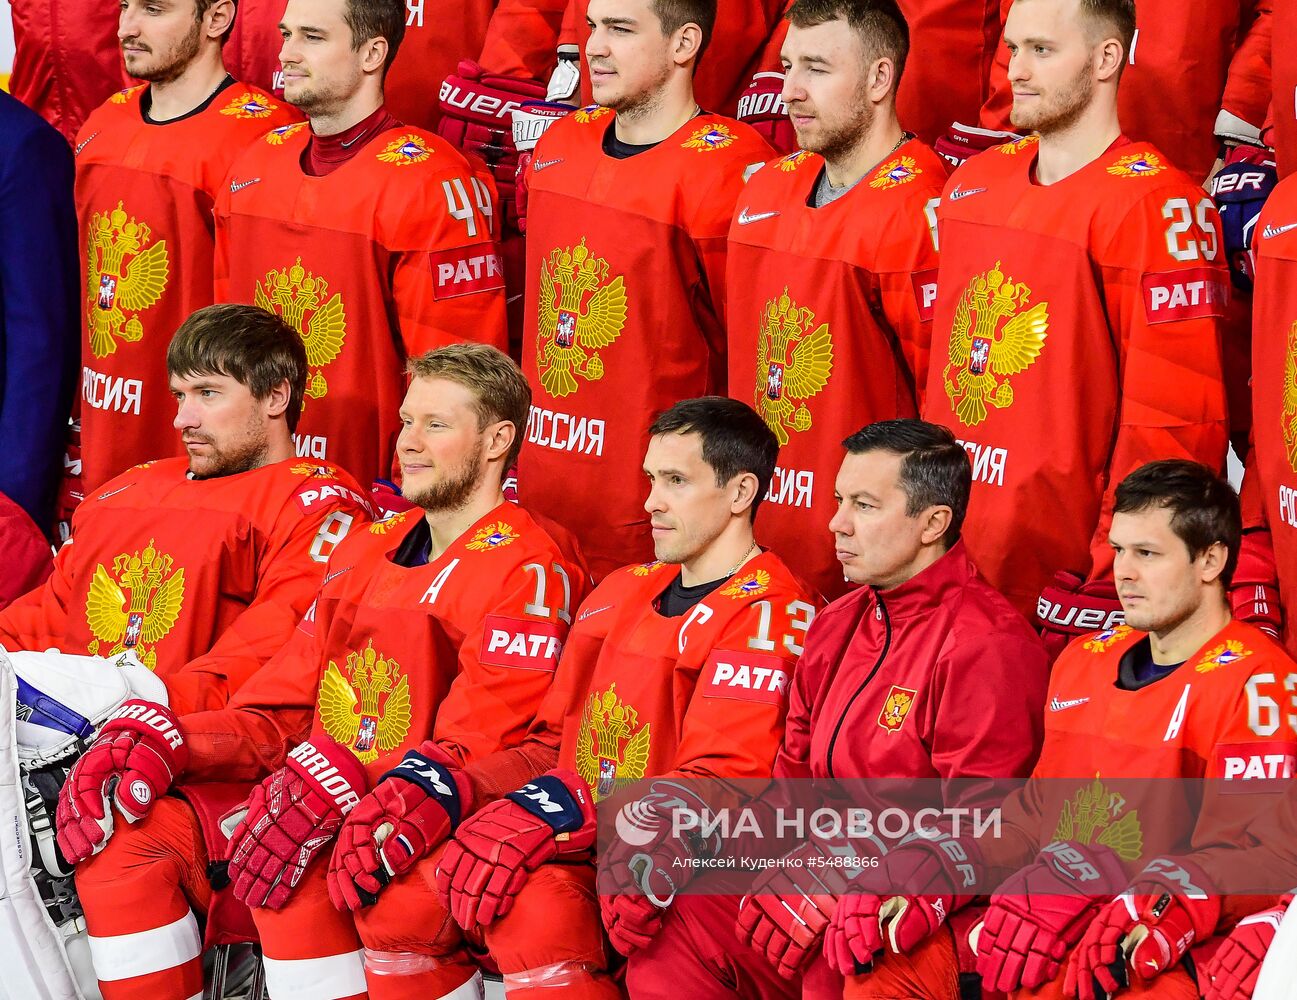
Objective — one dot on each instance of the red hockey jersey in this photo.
(829, 317)
(1274, 384)
(700, 695)
(388, 256)
(1076, 338)
(1282, 134)
(461, 650)
(1195, 71)
(204, 578)
(1215, 717)
(625, 312)
(144, 198)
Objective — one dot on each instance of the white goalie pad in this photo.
(63, 698)
(32, 954)
(1278, 977)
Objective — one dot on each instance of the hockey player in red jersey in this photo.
(934, 676)
(149, 163)
(202, 566)
(652, 655)
(1173, 693)
(629, 204)
(832, 269)
(372, 237)
(1076, 335)
(434, 636)
(1195, 77)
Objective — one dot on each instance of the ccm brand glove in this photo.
(413, 808)
(290, 818)
(135, 758)
(487, 863)
(1150, 927)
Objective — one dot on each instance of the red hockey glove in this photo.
(413, 808)
(1040, 913)
(530, 122)
(1254, 594)
(631, 921)
(762, 106)
(1150, 926)
(290, 818)
(1232, 972)
(962, 141)
(1070, 607)
(789, 908)
(487, 863)
(919, 884)
(135, 757)
(648, 858)
(476, 115)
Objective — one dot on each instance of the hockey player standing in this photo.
(630, 201)
(1081, 289)
(371, 237)
(149, 163)
(674, 669)
(833, 266)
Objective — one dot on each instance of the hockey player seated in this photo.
(424, 658)
(675, 669)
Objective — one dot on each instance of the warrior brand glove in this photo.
(290, 818)
(920, 884)
(785, 916)
(1070, 607)
(414, 807)
(762, 106)
(135, 758)
(530, 122)
(477, 114)
(487, 863)
(631, 921)
(1232, 972)
(1040, 913)
(1240, 189)
(962, 141)
(1150, 926)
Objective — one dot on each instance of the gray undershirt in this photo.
(826, 193)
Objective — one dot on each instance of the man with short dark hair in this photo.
(1171, 694)
(833, 265)
(423, 660)
(927, 673)
(629, 204)
(372, 238)
(674, 669)
(1077, 332)
(149, 163)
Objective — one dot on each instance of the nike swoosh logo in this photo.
(348, 145)
(746, 220)
(539, 165)
(1272, 231)
(236, 186)
(592, 612)
(84, 143)
(113, 493)
(958, 193)
(1059, 704)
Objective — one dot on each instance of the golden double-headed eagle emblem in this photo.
(126, 273)
(135, 604)
(367, 710)
(582, 311)
(612, 748)
(1289, 417)
(302, 299)
(1096, 815)
(795, 357)
(994, 335)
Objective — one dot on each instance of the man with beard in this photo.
(1081, 290)
(149, 162)
(426, 653)
(628, 209)
(373, 238)
(833, 265)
